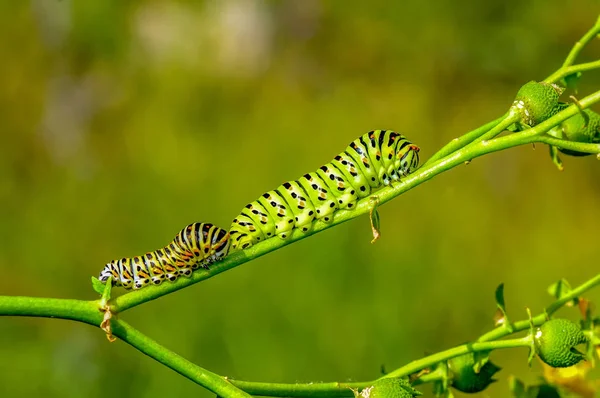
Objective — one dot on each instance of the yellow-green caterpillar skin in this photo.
(197, 245)
(371, 161)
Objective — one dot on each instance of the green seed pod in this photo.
(555, 343)
(583, 127)
(464, 377)
(536, 102)
(390, 388)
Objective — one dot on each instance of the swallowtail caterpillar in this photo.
(370, 162)
(197, 245)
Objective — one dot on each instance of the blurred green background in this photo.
(122, 122)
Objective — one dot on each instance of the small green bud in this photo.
(536, 102)
(464, 377)
(390, 388)
(555, 343)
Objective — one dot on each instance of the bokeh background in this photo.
(121, 122)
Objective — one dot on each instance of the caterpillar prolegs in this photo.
(371, 161)
(197, 245)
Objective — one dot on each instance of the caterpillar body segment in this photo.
(318, 193)
(281, 215)
(300, 204)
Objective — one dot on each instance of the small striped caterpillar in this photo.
(197, 245)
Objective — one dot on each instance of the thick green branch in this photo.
(89, 312)
(423, 174)
(198, 375)
(75, 310)
(333, 389)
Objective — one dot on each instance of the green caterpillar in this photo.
(373, 160)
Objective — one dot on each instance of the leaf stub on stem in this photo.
(374, 218)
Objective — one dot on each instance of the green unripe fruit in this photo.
(464, 377)
(390, 388)
(536, 102)
(555, 343)
(581, 128)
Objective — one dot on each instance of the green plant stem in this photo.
(567, 68)
(503, 331)
(198, 375)
(431, 360)
(463, 140)
(511, 117)
(577, 47)
(89, 312)
(425, 173)
(345, 389)
(563, 72)
(75, 310)
(333, 389)
(571, 145)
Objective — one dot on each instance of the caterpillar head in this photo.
(108, 271)
(407, 159)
